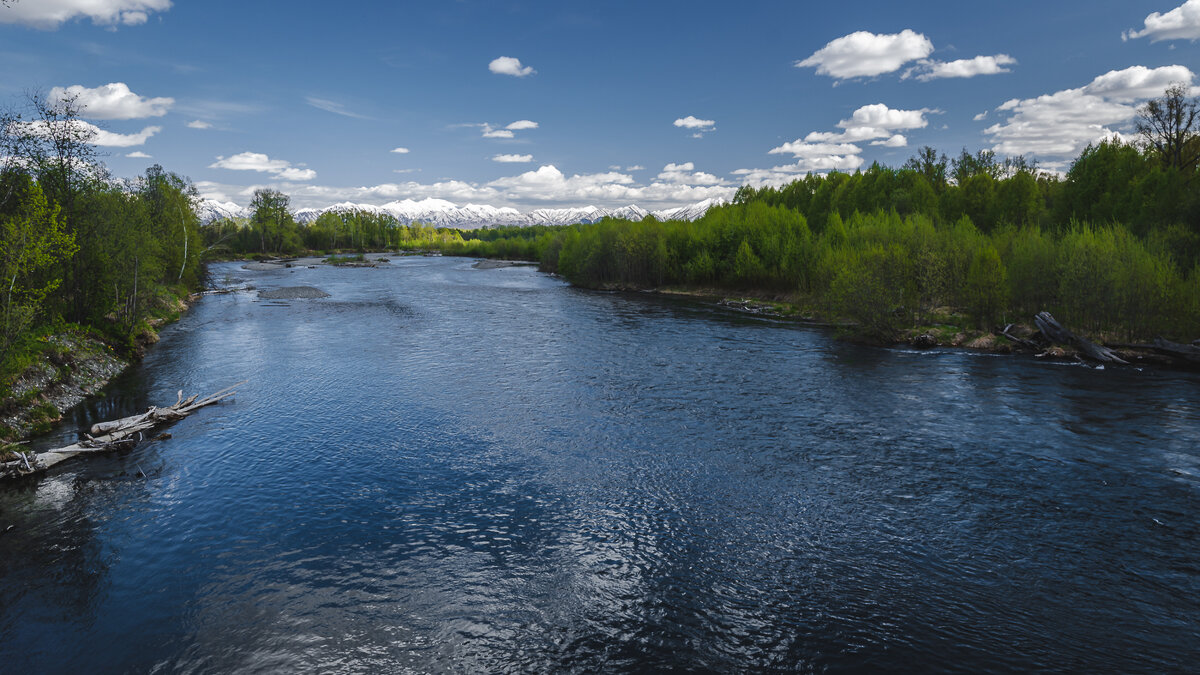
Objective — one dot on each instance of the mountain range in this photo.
(441, 213)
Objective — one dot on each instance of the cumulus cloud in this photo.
(138, 154)
(963, 68)
(1062, 124)
(865, 54)
(113, 101)
(257, 161)
(513, 159)
(94, 134)
(692, 122)
(489, 132)
(896, 141)
(50, 14)
(507, 65)
(400, 151)
(805, 149)
(1181, 23)
(686, 174)
(838, 150)
(522, 125)
(199, 124)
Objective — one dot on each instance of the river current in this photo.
(440, 468)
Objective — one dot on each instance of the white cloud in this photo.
(878, 115)
(1137, 82)
(686, 174)
(199, 124)
(691, 122)
(400, 151)
(50, 14)
(981, 116)
(95, 135)
(257, 161)
(787, 173)
(896, 141)
(1061, 124)
(113, 101)
(489, 132)
(635, 167)
(513, 159)
(980, 65)
(1181, 23)
(522, 125)
(864, 54)
(804, 149)
(138, 154)
(837, 150)
(507, 65)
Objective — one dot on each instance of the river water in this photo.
(441, 468)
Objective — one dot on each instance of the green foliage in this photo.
(987, 287)
(32, 242)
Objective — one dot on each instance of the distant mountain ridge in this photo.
(441, 213)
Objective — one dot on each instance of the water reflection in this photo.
(442, 468)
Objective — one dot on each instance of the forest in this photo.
(1112, 247)
(81, 250)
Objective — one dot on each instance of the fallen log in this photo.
(1054, 332)
(115, 435)
(1029, 345)
(1189, 353)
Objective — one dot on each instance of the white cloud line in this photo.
(112, 101)
(544, 186)
(257, 161)
(97, 136)
(522, 125)
(692, 122)
(199, 124)
(964, 68)
(507, 65)
(50, 14)
(865, 54)
(1181, 23)
(138, 154)
(513, 159)
(333, 107)
(399, 151)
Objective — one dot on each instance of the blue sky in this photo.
(658, 104)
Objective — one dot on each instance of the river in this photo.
(440, 468)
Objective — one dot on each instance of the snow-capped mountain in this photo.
(211, 209)
(441, 213)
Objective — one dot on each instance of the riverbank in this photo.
(64, 367)
(944, 329)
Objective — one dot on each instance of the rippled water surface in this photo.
(441, 468)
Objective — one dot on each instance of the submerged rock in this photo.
(924, 341)
(293, 293)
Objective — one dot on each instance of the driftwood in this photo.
(1054, 332)
(1029, 345)
(1189, 353)
(119, 434)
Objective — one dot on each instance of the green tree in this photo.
(1169, 125)
(32, 242)
(987, 287)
